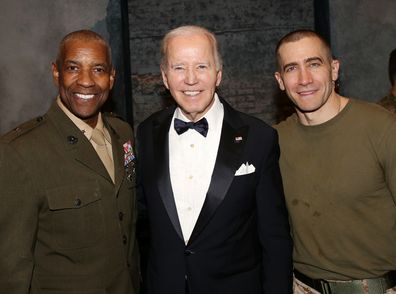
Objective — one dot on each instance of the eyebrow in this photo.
(195, 63)
(309, 59)
(316, 58)
(289, 64)
(71, 61)
(93, 64)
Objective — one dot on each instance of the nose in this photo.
(191, 77)
(305, 77)
(85, 79)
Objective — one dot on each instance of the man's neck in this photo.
(80, 123)
(329, 110)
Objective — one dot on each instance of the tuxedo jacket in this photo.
(241, 241)
(65, 227)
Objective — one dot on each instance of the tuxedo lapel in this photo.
(232, 141)
(161, 153)
(76, 144)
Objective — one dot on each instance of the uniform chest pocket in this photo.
(76, 215)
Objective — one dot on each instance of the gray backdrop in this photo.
(363, 33)
(30, 31)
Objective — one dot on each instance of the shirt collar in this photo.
(83, 126)
(212, 116)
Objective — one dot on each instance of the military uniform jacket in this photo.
(65, 227)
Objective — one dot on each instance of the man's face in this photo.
(191, 75)
(307, 74)
(84, 78)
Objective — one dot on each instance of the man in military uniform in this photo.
(68, 213)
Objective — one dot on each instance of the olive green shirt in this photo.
(340, 186)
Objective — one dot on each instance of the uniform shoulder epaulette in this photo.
(23, 128)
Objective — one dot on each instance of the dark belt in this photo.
(323, 286)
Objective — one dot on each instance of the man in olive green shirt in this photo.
(68, 207)
(338, 164)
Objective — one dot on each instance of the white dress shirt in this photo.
(191, 162)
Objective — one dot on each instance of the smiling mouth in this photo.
(85, 96)
(191, 93)
(306, 92)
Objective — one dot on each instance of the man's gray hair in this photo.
(189, 31)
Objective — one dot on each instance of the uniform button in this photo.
(188, 252)
(39, 119)
(120, 215)
(124, 239)
(72, 139)
(77, 202)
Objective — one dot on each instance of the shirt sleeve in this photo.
(18, 223)
(273, 226)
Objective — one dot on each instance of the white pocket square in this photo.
(245, 169)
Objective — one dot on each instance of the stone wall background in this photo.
(247, 32)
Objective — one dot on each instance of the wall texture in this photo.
(363, 33)
(247, 31)
(30, 32)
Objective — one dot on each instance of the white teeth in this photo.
(85, 97)
(191, 93)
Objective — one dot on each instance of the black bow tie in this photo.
(200, 126)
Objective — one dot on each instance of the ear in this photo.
(218, 77)
(55, 73)
(335, 67)
(112, 77)
(278, 78)
(164, 78)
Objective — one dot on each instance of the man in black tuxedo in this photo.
(210, 184)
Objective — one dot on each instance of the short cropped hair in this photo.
(83, 35)
(301, 34)
(189, 31)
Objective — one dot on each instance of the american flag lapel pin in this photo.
(238, 139)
